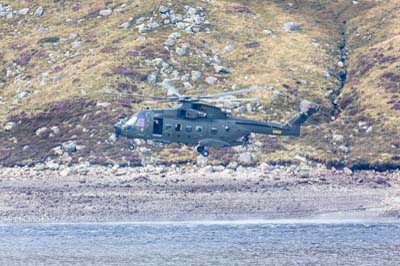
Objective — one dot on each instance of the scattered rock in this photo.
(196, 75)
(211, 80)
(41, 131)
(182, 50)
(232, 165)
(347, 171)
(39, 11)
(9, 126)
(105, 12)
(201, 161)
(69, 146)
(65, 172)
(221, 69)
(23, 11)
(52, 165)
(49, 40)
(229, 48)
(247, 158)
(218, 168)
(291, 27)
(268, 32)
(163, 9)
(125, 25)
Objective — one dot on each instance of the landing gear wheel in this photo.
(202, 150)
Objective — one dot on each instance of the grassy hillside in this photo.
(54, 67)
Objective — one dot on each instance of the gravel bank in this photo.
(93, 194)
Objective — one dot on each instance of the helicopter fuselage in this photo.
(198, 124)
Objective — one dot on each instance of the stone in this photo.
(52, 165)
(268, 32)
(153, 25)
(196, 75)
(23, 11)
(187, 85)
(182, 50)
(347, 171)
(39, 11)
(208, 169)
(232, 165)
(40, 132)
(211, 80)
(125, 25)
(218, 168)
(65, 172)
(170, 42)
(103, 104)
(229, 48)
(69, 146)
(22, 95)
(221, 69)
(247, 158)
(291, 27)
(152, 79)
(9, 126)
(142, 28)
(163, 9)
(201, 161)
(105, 12)
(55, 130)
(140, 20)
(175, 35)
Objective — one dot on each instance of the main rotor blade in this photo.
(121, 94)
(217, 95)
(232, 100)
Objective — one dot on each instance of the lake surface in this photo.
(201, 243)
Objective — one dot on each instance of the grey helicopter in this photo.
(197, 123)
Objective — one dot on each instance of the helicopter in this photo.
(197, 123)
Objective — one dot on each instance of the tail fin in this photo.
(307, 108)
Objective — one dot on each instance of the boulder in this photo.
(105, 12)
(69, 146)
(125, 25)
(221, 69)
(229, 48)
(247, 158)
(39, 11)
(52, 165)
(211, 80)
(182, 50)
(347, 171)
(196, 75)
(218, 168)
(232, 165)
(9, 126)
(291, 27)
(23, 11)
(65, 172)
(41, 131)
(163, 9)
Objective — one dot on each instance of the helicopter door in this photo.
(157, 126)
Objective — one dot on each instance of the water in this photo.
(202, 243)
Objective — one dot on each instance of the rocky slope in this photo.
(58, 57)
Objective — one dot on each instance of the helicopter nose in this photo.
(118, 129)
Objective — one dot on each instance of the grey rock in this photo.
(65, 172)
(187, 85)
(196, 75)
(152, 79)
(22, 95)
(55, 130)
(125, 25)
(276, 95)
(163, 9)
(140, 20)
(218, 168)
(153, 25)
(182, 50)
(268, 32)
(232, 165)
(39, 11)
(105, 12)
(142, 28)
(211, 80)
(41, 131)
(103, 104)
(221, 69)
(201, 161)
(69, 146)
(347, 171)
(229, 48)
(175, 35)
(52, 165)
(23, 11)
(170, 42)
(9, 126)
(247, 158)
(291, 27)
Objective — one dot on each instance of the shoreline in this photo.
(183, 194)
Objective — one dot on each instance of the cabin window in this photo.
(199, 129)
(188, 129)
(178, 127)
(157, 126)
(168, 126)
(214, 130)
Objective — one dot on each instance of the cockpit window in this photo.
(132, 121)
